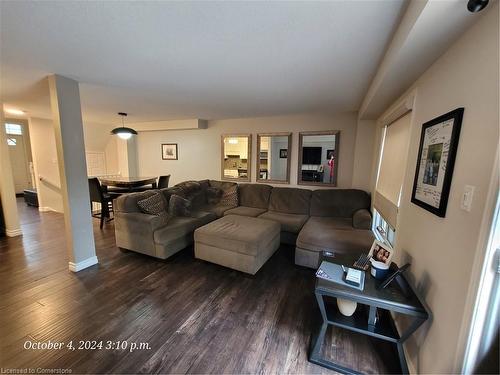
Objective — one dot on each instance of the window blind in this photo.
(392, 169)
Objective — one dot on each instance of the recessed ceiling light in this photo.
(13, 111)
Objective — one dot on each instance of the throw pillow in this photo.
(214, 195)
(153, 205)
(230, 196)
(179, 206)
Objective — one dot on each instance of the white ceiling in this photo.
(212, 60)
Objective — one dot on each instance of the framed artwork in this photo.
(436, 159)
(169, 151)
(283, 153)
(329, 154)
(381, 252)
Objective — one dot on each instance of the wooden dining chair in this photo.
(163, 181)
(97, 195)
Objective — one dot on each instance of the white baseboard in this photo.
(45, 209)
(75, 267)
(13, 232)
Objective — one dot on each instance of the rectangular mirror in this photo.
(236, 156)
(273, 157)
(318, 158)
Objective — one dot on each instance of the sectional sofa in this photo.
(337, 220)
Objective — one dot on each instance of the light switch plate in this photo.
(467, 196)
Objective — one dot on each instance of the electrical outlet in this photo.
(468, 194)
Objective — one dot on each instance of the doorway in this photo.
(20, 154)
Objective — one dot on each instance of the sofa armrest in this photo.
(362, 219)
(134, 231)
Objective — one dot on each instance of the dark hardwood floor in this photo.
(196, 317)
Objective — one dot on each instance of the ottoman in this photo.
(238, 242)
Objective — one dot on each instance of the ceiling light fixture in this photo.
(475, 6)
(123, 132)
(13, 111)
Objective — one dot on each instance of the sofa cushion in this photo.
(168, 192)
(289, 222)
(154, 205)
(338, 202)
(362, 219)
(254, 195)
(222, 184)
(290, 200)
(214, 195)
(334, 234)
(181, 226)
(179, 206)
(128, 202)
(217, 209)
(230, 196)
(245, 211)
(240, 234)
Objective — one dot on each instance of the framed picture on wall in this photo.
(436, 159)
(169, 151)
(283, 153)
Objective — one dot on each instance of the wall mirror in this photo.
(318, 158)
(236, 156)
(273, 157)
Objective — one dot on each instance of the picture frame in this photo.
(283, 153)
(378, 252)
(435, 162)
(329, 154)
(169, 151)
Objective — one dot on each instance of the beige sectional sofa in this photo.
(336, 220)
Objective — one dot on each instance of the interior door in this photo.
(20, 169)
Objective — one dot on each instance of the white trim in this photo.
(48, 209)
(13, 232)
(75, 267)
(463, 356)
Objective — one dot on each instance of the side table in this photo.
(398, 297)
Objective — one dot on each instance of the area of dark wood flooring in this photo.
(195, 316)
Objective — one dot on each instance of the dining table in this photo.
(128, 183)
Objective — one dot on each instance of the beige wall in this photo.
(442, 250)
(199, 150)
(363, 155)
(43, 148)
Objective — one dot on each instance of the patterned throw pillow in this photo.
(179, 206)
(153, 205)
(214, 195)
(230, 196)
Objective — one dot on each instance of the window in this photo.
(11, 141)
(14, 129)
(383, 231)
(391, 172)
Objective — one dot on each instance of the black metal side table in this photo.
(398, 297)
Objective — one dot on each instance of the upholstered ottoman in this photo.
(238, 242)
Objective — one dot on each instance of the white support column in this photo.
(68, 129)
(127, 156)
(7, 189)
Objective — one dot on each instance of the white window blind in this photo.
(392, 169)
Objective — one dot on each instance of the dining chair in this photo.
(97, 195)
(163, 181)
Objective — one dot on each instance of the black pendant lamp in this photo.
(123, 132)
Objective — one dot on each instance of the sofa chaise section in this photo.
(339, 222)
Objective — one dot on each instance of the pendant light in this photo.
(123, 132)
